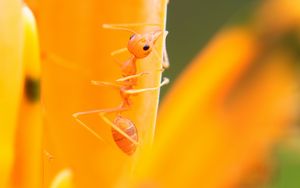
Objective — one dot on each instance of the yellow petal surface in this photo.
(28, 161)
(77, 50)
(210, 136)
(64, 179)
(10, 81)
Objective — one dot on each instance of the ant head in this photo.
(141, 45)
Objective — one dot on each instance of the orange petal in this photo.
(275, 17)
(28, 161)
(77, 50)
(64, 179)
(10, 81)
(187, 126)
(208, 137)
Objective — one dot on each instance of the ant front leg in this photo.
(165, 60)
(136, 91)
(116, 52)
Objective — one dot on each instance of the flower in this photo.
(76, 50)
(232, 113)
(10, 82)
(27, 167)
(217, 126)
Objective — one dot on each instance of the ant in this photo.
(124, 131)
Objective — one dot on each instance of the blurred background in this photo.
(239, 127)
(191, 25)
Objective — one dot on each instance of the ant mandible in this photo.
(124, 131)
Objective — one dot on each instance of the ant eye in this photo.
(131, 36)
(146, 47)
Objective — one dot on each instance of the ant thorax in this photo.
(129, 67)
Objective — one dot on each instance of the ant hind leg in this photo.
(110, 110)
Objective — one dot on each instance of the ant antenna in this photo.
(125, 26)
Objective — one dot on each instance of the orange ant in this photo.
(124, 131)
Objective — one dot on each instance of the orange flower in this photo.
(10, 82)
(77, 50)
(216, 127)
(27, 172)
(228, 119)
(64, 179)
(219, 123)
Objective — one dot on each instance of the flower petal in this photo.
(10, 81)
(64, 179)
(214, 126)
(77, 50)
(28, 146)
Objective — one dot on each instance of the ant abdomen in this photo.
(128, 127)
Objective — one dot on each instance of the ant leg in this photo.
(101, 83)
(88, 128)
(125, 26)
(102, 113)
(48, 155)
(117, 86)
(165, 62)
(62, 62)
(158, 57)
(114, 53)
(106, 120)
(77, 114)
(118, 51)
(135, 91)
(109, 110)
(132, 76)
